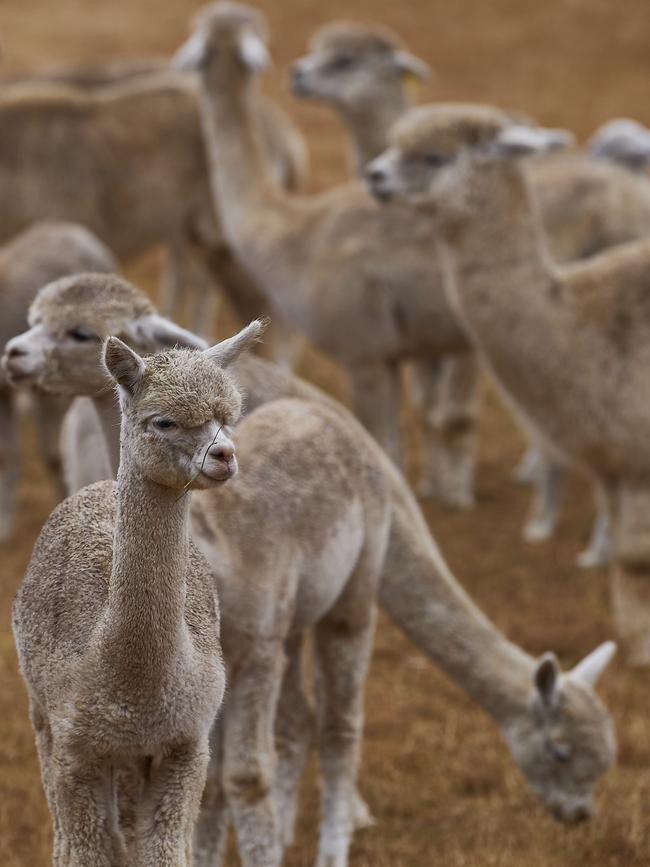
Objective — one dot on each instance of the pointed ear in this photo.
(226, 352)
(592, 666)
(520, 140)
(547, 673)
(192, 54)
(124, 365)
(253, 52)
(162, 333)
(409, 64)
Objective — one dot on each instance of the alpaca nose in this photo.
(222, 452)
(15, 351)
(375, 175)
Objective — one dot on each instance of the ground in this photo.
(435, 771)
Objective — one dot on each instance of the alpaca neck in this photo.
(145, 626)
(108, 412)
(420, 594)
(240, 177)
(370, 123)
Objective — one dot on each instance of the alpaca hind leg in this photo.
(548, 489)
(249, 753)
(376, 395)
(599, 550)
(343, 653)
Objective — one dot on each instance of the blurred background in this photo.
(435, 771)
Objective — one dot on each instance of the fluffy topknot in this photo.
(103, 303)
(448, 127)
(355, 38)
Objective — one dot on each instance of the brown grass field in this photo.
(435, 771)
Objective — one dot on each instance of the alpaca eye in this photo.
(341, 63)
(561, 752)
(82, 335)
(164, 424)
(435, 160)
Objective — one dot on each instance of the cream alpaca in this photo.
(117, 622)
(567, 345)
(31, 259)
(356, 280)
(416, 587)
(139, 152)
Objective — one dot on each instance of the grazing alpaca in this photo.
(117, 621)
(416, 590)
(567, 345)
(44, 252)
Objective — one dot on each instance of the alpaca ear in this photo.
(226, 352)
(161, 333)
(520, 140)
(409, 64)
(592, 666)
(124, 365)
(192, 54)
(546, 676)
(624, 141)
(253, 52)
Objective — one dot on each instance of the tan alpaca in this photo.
(567, 345)
(417, 589)
(139, 177)
(351, 277)
(117, 622)
(35, 257)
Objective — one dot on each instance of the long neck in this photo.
(144, 629)
(421, 596)
(108, 412)
(370, 123)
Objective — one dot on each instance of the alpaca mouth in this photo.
(220, 473)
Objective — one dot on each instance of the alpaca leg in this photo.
(43, 737)
(170, 806)
(295, 725)
(450, 414)
(599, 550)
(249, 754)
(87, 814)
(211, 832)
(49, 412)
(376, 395)
(547, 497)
(342, 655)
(528, 467)
(8, 463)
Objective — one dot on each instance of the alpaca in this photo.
(355, 279)
(36, 256)
(117, 621)
(567, 345)
(139, 151)
(426, 602)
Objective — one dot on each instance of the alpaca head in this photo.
(563, 741)
(177, 410)
(442, 154)
(69, 320)
(353, 66)
(229, 39)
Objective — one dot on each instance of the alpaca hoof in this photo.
(451, 497)
(592, 558)
(361, 815)
(538, 531)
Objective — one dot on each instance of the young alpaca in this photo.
(326, 503)
(42, 253)
(355, 279)
(117, 623)
(566, 344)
(534, 705)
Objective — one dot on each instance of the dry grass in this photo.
(435, 770)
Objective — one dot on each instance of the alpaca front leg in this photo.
(295, 725)
(376, 397)
(86, 814)
(249, 754)
(43, 737)
(170, 806)
(450, 431)
(8, 463)
(548, 488)
(342, 656)
(211, 831)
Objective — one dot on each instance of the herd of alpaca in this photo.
(221, 511)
